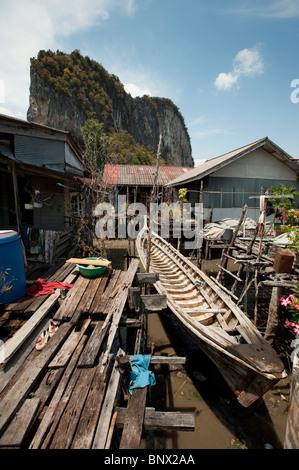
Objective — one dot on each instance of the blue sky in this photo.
(230, 66)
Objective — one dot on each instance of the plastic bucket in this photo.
(12, 268)
(92, 272)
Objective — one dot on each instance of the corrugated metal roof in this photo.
(141, 175)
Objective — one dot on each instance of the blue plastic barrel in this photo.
(12, 267)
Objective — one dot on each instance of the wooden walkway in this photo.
(72, 394)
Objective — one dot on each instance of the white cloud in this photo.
(138, 79)
(27, 27)
(282, 9)
(203, 127)
(225, 81)
(248, 62)
(198, 162)
(135, 90)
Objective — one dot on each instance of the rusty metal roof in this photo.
(141, 175)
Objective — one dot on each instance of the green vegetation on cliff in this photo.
(79, 78)
(85, 85)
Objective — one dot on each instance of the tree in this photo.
(95, 145)
(95, 156)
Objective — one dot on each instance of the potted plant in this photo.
(37, 201)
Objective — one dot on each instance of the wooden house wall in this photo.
(49, 217)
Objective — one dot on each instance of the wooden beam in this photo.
(147, 278)
(230, 273)
(88, 262)
(17, 430)
(157, 360)
(154, 302)
(161, 420)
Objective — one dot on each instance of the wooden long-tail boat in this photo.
(221, 329)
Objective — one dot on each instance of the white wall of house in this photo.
(258, 164)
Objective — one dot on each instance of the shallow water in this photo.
(197, 387)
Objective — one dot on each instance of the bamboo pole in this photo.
(224, 259)
(153, 193)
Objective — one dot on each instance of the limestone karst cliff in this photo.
(68, 89)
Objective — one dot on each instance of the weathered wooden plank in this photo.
(87, 262)
(154, 302)
(64, 354)
(89, 355)
(118, 305)
(53, 407)
(94, 307)
(103, 424)
(167, 360)
(134, 298)
(15, 366)
(47, 386)
(89, 417)
(161, 420)
(14, 343)
(118, 286)
(67, 425)
(133, 424)
(72, 299)
(4, 317)
(147, 278)
(67, 273)
(62, 273)
(89, 294)
(21, 304)
(11, 402)
(18, 428)
(100, 307)
(205, 310)
(60, 408)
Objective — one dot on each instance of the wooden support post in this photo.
(274, 313)
(224, 259)
(198, 257)
(16, 195)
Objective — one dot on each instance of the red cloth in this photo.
(42, 287)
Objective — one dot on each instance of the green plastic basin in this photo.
(92, 272)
